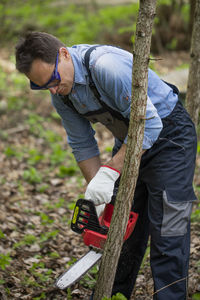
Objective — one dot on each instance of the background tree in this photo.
(134, 149)
(191, 19)
(193, 89)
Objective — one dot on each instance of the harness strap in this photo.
(96, 92)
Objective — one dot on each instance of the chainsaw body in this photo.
(93, 229)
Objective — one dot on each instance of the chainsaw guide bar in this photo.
(77, 270)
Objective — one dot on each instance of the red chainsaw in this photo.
(94, 232)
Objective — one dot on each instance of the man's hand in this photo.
(100, 189)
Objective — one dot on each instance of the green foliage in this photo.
(42, 188)
(45, 220)
(30, 282)
(3, 135)
(2, 80)
(15, 103)
(185, 12)
(198, 147)
(183, 66)
(195, 217)
(13, 152)
(34, 156)
(196, 296)
(9, 152)
(72, 205)
(164, 2)
(39, 271)
(48, 235)
(89, 280)
(52, 206)
(76, 24)
(147, 252)
(5, 260)
(2, 180)
(197, 265)
(66, 171)
(1, 234)
(55, 115)
(71, 23)
(69, 294)
(42, 296)
(35, 123)
(172, 45)
(108, 149)
(58, 155)
(52, 137)
(18, 83)
(2, 281)
(118, 296)
(32, 176)
(18, 79)
(28, 239)
(54, 254)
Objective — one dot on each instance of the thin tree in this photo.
(129, 176)
(191, 19)
(193, 88)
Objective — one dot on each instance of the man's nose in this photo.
(53, 90)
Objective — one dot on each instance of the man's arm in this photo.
(117, 161)
(90, 167)
(100, 188)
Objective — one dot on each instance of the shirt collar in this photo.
(79, 73)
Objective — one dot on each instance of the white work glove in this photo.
(100, 189)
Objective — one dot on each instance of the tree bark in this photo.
(133, 154)
(193, 88)
(191, 20)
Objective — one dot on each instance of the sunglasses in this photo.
(53, 81)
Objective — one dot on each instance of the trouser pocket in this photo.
(176, 212)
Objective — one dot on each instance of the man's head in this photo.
(46, 62)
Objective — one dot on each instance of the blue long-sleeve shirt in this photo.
(111, 70)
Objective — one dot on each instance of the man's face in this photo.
(41, 72)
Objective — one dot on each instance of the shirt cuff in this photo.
(85, 153)
(147, 142)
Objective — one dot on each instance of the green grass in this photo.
(5, 260)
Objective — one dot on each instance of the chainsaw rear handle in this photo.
(94, 230)
(85, 217)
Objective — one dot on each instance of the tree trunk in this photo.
(133, 154)
(193, 88)
(191, 20)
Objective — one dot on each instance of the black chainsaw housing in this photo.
(85, 217)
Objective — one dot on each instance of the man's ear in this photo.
(64, 52)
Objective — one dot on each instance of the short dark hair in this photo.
(36, 45)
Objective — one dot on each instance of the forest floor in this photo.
(39, 184)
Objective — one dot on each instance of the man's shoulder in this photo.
(98, 50)
(108, 50)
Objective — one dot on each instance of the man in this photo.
(95, 85)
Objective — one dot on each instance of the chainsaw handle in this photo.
(85, 217)
(93, 229)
